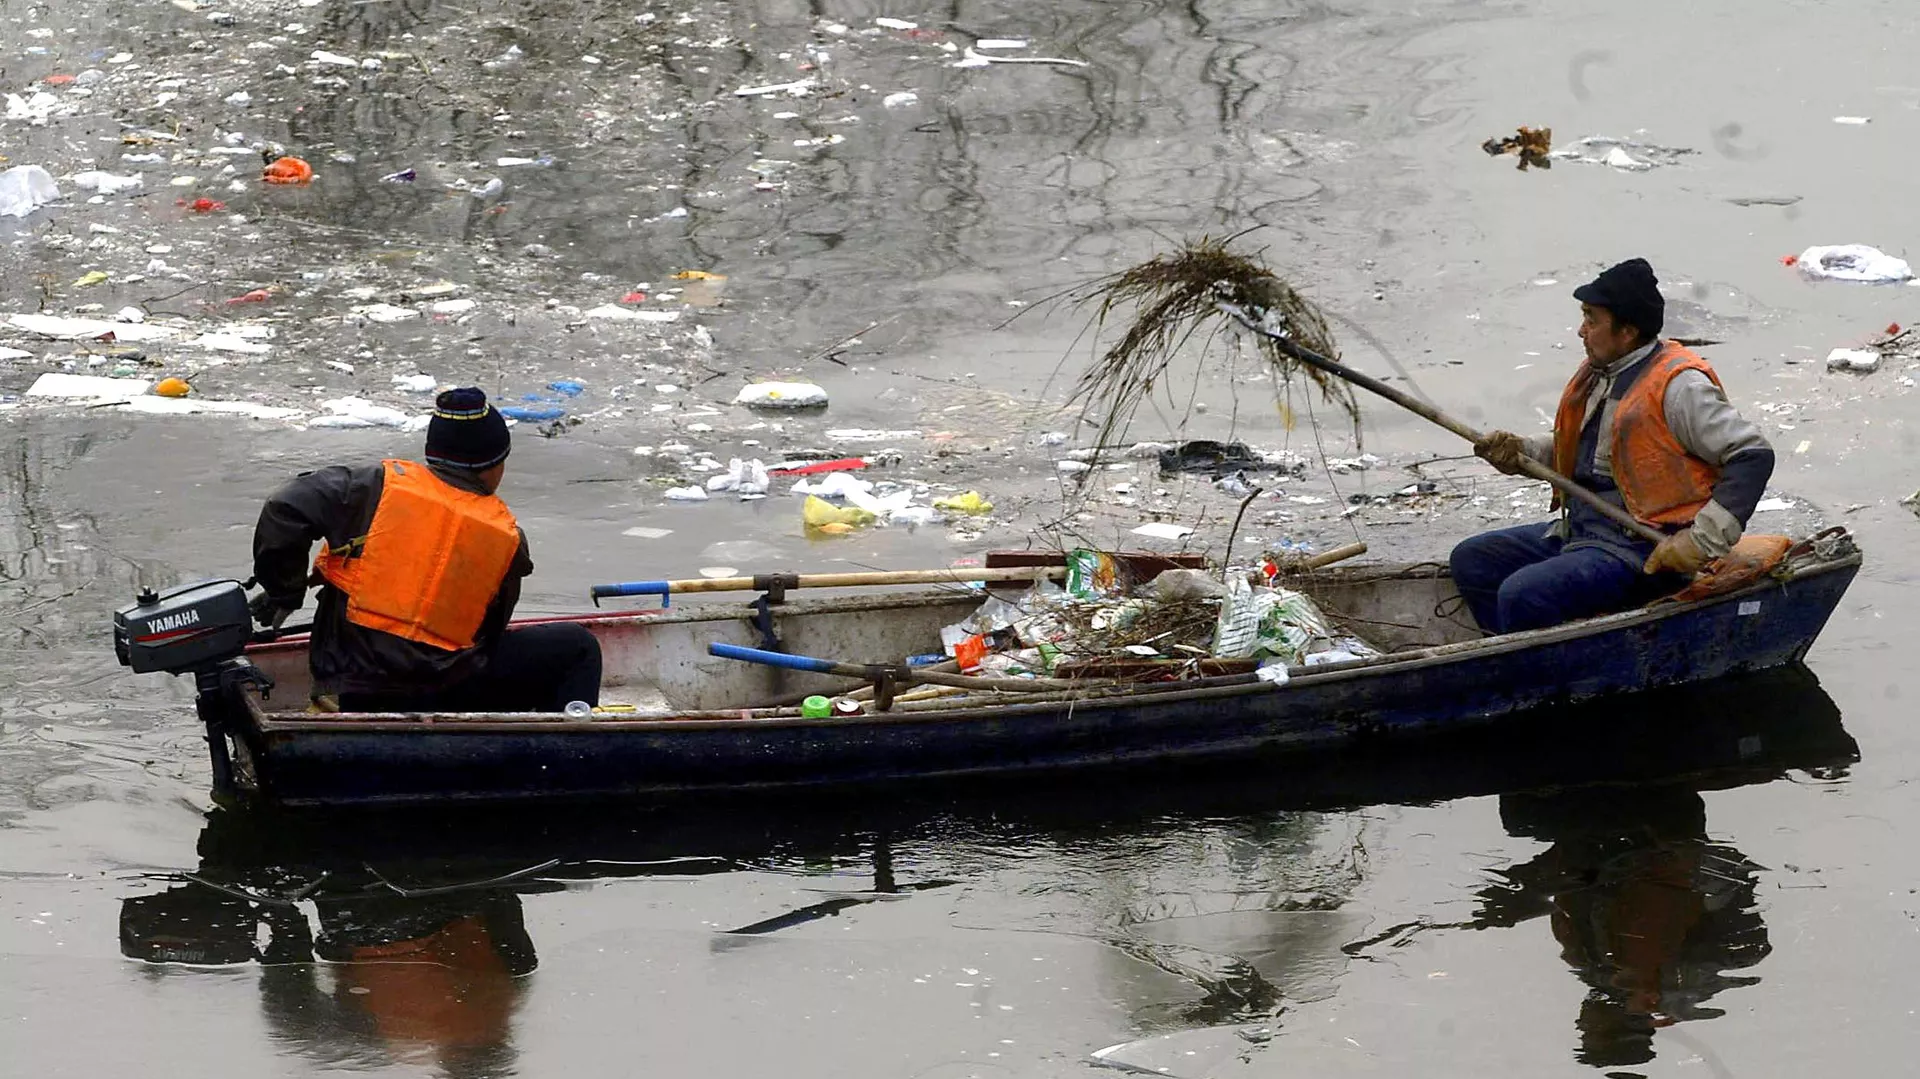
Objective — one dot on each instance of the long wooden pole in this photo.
(1528, 465)
(952, 575)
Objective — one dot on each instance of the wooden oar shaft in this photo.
(763, 582)
(1420, 408)
(956, 575)
(1338, 554)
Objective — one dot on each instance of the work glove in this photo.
(1678, 553)
(1504, 450)
(268, 611)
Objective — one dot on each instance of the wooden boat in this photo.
(264, 875)
(709, 724)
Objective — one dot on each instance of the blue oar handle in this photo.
(663, 589)
(773, 659)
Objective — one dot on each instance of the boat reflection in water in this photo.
(399, 934)
(1649, 913)
(423, 978)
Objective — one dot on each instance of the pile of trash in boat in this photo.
(1176, 624)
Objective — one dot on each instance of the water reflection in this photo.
(431, 979)
(1649, 912)
(400, 936)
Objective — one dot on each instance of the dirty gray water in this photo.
(1734, 900)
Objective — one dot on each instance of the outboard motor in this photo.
(183, 630)
(199, 629)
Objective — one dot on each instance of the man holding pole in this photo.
(1645, 426)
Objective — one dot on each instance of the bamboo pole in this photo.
(1420, 408)
(950, 575)
(1338, 554)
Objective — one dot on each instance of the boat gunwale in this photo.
(707, 611)
(1102, 697)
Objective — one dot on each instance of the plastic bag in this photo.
(1177, 585)
(820, 514)
(24, 189)
(287, 170)
(781, 395)
(745, 478)
(971, 503)
(1852, 262)
(1275, 622)
(106, 183)
(1090, 574)
(832, 485)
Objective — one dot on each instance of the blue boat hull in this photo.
(324, 761)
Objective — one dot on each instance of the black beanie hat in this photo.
(466, 431)
(1632, 293)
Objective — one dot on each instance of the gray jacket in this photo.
(1705, 424)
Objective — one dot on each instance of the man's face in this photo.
(1605, 341)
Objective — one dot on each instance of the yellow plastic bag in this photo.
(821, 516)
(970, 503)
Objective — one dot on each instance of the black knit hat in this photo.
(1632, 293)
(466, 431)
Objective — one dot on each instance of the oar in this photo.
(766, 581)
(1420, 408)
(907, 674)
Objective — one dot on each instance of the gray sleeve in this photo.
(1711, 429)
(1705, 423)
(1540, 447)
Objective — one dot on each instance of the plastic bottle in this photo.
(578, 709)
(816, 707)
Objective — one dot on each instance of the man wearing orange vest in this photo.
(419, 573)
(1643, 424)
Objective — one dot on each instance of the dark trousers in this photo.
(532, 669)
(1520, 578)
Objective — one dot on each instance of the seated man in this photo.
(419, 575)
(1644, 425)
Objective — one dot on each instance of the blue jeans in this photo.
(1520, 578)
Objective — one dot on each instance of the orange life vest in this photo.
(431, 562)
(450, 989)
(1661, 483)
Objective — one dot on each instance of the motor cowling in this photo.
(193, 627)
